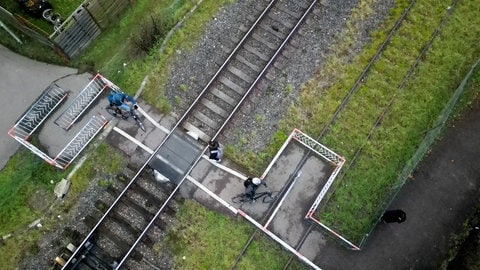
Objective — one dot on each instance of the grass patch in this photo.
(206, 239)
(355, 205)
(19, 180)
(203, 239)
(62, 7)
(138, 31)
(94, 166)
(22, 178)
(366, 185)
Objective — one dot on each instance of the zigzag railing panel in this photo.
(38, 112)
(81, 140)
(317, 147)
(81, 103)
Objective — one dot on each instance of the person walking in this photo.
(216, 152)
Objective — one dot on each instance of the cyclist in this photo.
(122, 101)
(251, 185)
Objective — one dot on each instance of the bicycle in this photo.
(267, 197)
(117, 112)
(54, 18)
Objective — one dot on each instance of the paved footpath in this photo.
(22, 82)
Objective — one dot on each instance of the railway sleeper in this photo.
(101, 206)
(304, 4)
(264, 41)
(247, 63)
(231, 85)
(273, 74)
(278, 23)
(151, 195)
(243, 78)
(105, 248)
(286, 10)
(94, 259)
(153, 188)
(212, 124)
(221, 95)
(115, 192)
(122, 221)
(119, 218)
(123, 246)
(280, 19)
(118, 229)
(90, 221)
(256, 52)
(131, 202)
(214, 108)
(245, 69)
(273, 29)
(148, 179)
(209, 117)
(169, 208)
(227, 91)
(226, 49)
(161, 223)
(226, 107)
(280, 63)
(201, 135)
(262, 48)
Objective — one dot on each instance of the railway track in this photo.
(244, 67)
(136, 209)
(344, 103)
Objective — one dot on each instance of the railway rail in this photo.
(136, 209)
(401, 87)
(344, 103)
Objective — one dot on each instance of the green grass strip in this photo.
(354, 205)
(25, 186)
(203, 239)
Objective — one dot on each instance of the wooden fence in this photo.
(78, 30)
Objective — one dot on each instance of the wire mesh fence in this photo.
(425, 145)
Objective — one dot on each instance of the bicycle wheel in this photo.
(270, 197)
(47, 14)
(139, 122)
(240, 198)
(113, 112)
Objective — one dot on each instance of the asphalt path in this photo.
(22, 82)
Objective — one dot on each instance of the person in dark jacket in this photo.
(216, 152)
(251, 185)
(394, 216)
(122, 101)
